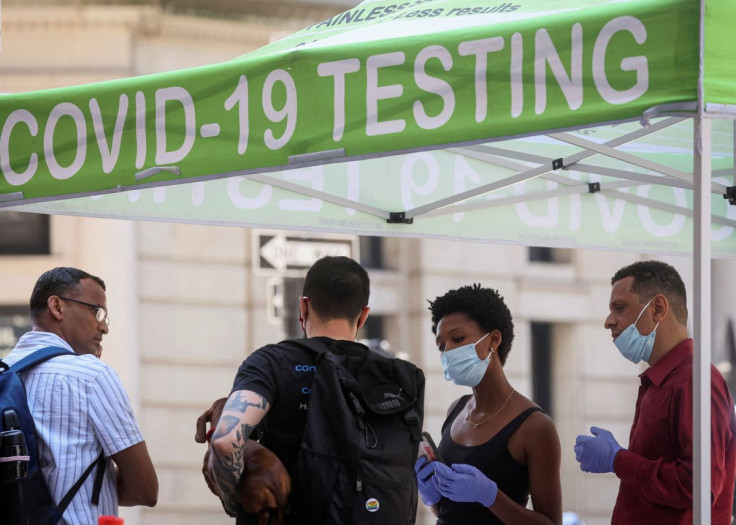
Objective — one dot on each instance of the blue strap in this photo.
(39, 356)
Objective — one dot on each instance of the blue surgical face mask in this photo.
(634, 346)
(462, 365)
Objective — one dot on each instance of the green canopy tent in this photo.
(605, 125)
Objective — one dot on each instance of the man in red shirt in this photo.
(648, 318)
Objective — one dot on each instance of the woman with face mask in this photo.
(498, 448)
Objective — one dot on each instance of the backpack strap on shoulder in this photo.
(99, 477)
(39, 356)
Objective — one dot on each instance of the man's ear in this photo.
(303, 307)
(363, 316)
(53, 305)
(661, 307)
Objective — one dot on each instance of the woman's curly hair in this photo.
(485, 306)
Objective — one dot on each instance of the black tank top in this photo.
(494, 460)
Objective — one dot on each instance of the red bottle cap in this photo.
(109, 520)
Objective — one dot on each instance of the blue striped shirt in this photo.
(80, 409)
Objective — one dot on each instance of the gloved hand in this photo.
(596, 454)
(428, 490)
(465, 483)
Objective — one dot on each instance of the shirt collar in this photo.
(32, 341)
(658, 372)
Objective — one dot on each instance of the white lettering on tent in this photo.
(338, 70)
(576, 205)
(722, 233)
(353, 184)
(134, 195)
(65, 109)
(240, 98)
(409, 179)
(197, 193)
(315, 179)
(611, 219)
(481, 48)
(434, 85)
(159, 194)
(517, 81)
(13, 177)
(545, 53)
(288, 112)
(548, 220)
(140, 129)
(181, 95)
(109, 153)
(463, 171)
(374, 93)
(645, 214)
(246, 203)
(638, 63)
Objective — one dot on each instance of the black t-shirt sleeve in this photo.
(258, 373)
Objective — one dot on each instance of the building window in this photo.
(371, 253)
(14, 322)
(541, 342)
(544, 254)
(372, 335)
(291, 290)
(24, 233)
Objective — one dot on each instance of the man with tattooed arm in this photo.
(273, 384)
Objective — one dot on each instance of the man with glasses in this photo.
(79, 406)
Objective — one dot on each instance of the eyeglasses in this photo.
(100, 312)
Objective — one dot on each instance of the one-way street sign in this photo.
(280, 252)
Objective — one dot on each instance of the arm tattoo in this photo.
(228, 467)
(240, 404)
(226, 425)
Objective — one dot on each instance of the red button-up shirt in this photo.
(656, 471)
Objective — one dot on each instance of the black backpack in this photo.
(26, 500)
(364, 423)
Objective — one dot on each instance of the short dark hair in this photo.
(337, 288)
(656, 277)
(485, 306)
(59, 281)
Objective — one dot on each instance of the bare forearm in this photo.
(241, 413)
(130, 497)
(509, 511)
(226, 470)
(136, 478)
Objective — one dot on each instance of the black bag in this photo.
(26, 500)
(364, 422)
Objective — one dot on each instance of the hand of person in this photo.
(428, 490)
(207, 473)
(596, 453)
(212, 416)
(465, 483)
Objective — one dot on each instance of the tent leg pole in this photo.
(701, 321)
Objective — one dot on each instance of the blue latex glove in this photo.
(428, 490)
(465, 483)
(596, 454)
